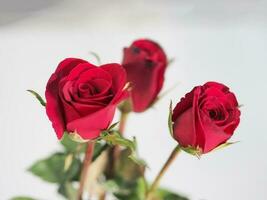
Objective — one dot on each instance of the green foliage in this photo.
(135, 190)
(39, 98)
(67, 190)
(73, 147)
(63, 168)
(127, 190)
(127, 169)
(22, 198)
(128, 182)
(115, 138)
(52, 170)
(163, 194)
(141, 188)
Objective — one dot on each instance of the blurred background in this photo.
(217, 40)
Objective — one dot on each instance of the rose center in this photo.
(86, 90)
(216, 114)
(212, 114)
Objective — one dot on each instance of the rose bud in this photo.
(81, 98)
(206, 117)
(145, 63)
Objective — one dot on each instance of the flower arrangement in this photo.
(97, 160)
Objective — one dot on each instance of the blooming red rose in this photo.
(145, 63)
(206, 117)
(82, 98)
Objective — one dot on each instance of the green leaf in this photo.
(141, 188)
(52, 170)
(39, 98)
(164, 194)
(67, 190)
(128, 171)
(22, 198)
(68, 161)
(128, 182)
(170, 124)
(115, 138)
(125, 190)
(111, 186)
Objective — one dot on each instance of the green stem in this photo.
(114, 152)
(86, 164)
(165, 167)
(123, 119)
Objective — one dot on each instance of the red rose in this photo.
(145, 63)
(206, 117)
(82, 98)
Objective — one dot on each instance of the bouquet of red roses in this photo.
(97, 160)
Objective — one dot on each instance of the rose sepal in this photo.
(222, 146)
(112, 126)
(170, 123)
(96, 56)
(195, 151)
(74, 136)
(38, 97)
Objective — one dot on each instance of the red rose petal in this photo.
(54, 109)
(90, 126)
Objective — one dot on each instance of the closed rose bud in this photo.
(145, 63)
(82, 98)
(206, 117)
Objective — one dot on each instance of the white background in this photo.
(217, 40)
